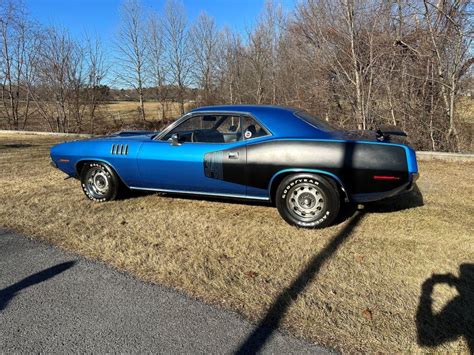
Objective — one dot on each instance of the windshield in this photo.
(314, 121)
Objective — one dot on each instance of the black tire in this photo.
(99, 182)
(308, 200)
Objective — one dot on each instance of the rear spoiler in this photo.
(384, 132)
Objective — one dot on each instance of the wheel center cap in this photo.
(100, 182)
(306, 200)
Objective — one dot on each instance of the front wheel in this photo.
(308, 200)
(99, 182)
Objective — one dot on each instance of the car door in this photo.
(205, 143)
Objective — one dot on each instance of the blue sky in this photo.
(101, 16)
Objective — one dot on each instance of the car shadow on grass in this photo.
(8, 293)
(272, 319)
(411, 199)
(191, 197)
(407, 200)
(15, 145)
(456, 319)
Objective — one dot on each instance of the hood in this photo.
(129, 135)
(92, 146)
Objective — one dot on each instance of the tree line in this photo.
(356, 63)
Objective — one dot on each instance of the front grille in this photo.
(119, 149)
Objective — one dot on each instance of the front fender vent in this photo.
(119, 149)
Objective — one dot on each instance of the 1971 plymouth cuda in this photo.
(282, 155)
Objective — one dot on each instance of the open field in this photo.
(356, 286)
(466, 109)
(128, 110)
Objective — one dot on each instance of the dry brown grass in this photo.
(242, 257)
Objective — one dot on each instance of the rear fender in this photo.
(273, 185)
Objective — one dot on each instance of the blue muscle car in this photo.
(303, 165)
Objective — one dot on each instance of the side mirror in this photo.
(175, 139)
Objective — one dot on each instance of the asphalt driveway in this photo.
(53, 301)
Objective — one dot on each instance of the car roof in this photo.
(280, 120)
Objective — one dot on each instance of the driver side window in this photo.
(216, 129)
(188, 128)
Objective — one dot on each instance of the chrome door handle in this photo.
(233, 155)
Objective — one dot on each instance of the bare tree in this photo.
(177, 42)
(451, 37)
(96, 71)
(259, 59)
(18, 41)
(132, 50)
(230, 64)
(204, 42)
(344, 36)
(158, 67)
(60, 76)
(274, 24)
(356, 75)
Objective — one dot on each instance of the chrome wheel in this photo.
(97, 182)
(306, 201)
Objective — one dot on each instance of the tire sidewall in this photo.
(327, 188)
(111, 178)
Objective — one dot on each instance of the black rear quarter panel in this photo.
(354, 163)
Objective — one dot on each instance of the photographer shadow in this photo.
(456, 319)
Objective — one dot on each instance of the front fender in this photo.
(69, 156)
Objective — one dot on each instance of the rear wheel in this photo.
(99, 182)
(308, 200)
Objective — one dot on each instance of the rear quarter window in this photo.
(315, 122)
